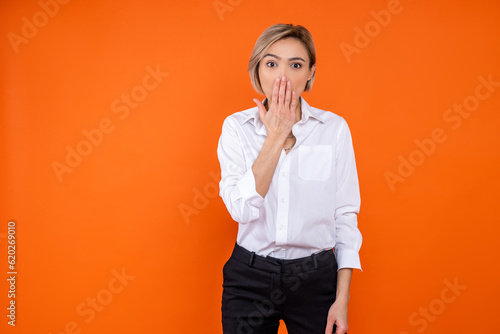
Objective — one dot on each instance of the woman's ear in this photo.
(311, 72)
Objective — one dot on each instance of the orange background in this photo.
(144, 200)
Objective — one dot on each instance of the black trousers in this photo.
(259, 291)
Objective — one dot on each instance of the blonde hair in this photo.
(273, 34)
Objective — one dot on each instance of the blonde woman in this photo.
(289, 180)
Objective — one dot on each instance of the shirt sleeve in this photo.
(237, 185)
(348, 237)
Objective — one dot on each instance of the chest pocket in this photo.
(315, 162)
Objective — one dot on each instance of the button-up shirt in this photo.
(313, 200)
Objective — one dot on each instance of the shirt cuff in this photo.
(246, 186)
(347, 259)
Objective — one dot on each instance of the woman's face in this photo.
(286, 57)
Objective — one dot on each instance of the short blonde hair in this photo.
(273, 34)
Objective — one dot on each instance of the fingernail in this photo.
(283, 78)
(277, 79)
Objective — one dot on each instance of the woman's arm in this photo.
(338, 311)
(243, 190)
(278, 121)
(348, 238)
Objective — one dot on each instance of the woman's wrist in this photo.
(342, 298)
(275, 140)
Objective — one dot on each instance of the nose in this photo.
(284, 72)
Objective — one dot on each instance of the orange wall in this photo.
(150, 82)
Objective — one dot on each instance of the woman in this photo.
(289, 179)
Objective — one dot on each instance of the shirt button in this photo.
(283, 173)
(282, 200)
(282, 227)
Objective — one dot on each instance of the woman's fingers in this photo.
(329, 327)
(262, 109)
(294, 102)
(281, 113)
(281, 96)
(274, 100)
(288, 94)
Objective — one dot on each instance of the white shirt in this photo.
(313, 200)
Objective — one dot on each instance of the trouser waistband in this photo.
(275, 265)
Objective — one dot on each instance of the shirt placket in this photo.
(283, 207)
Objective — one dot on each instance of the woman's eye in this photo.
(296, 65)
(271, 64)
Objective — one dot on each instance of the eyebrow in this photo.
(279, 58)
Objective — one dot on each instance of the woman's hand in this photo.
(280, 118)
(337, 315)
(279, 121)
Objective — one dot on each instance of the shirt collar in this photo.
(307, 113)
